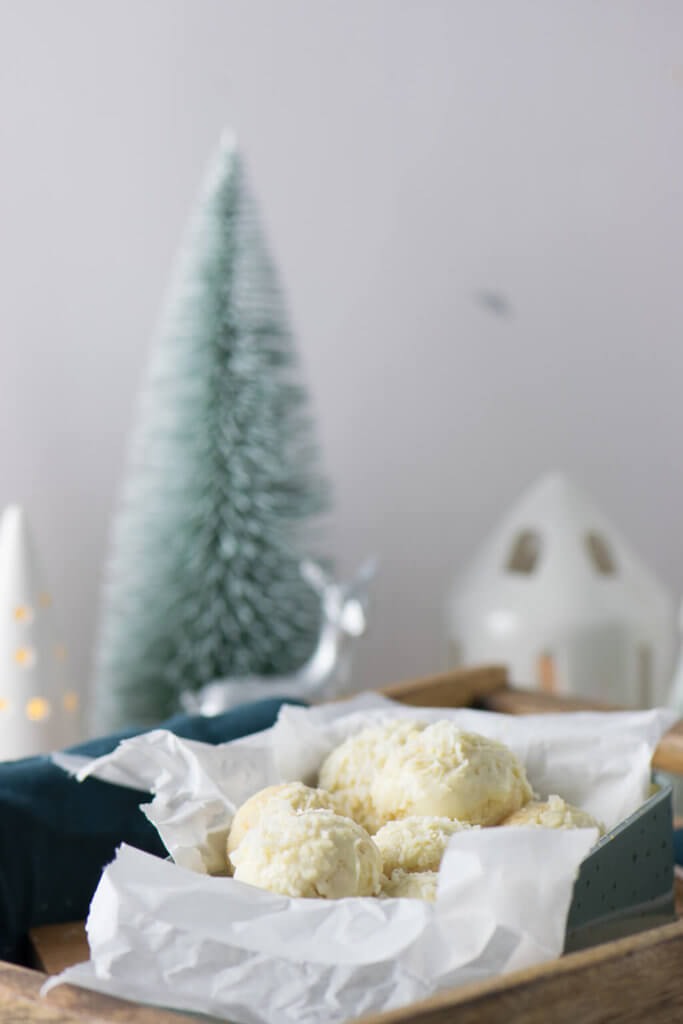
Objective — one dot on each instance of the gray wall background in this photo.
(410, 158)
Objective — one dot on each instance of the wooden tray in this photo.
(632, 980)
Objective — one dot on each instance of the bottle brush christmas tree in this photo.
(222, 482)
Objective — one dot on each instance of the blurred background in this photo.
(476, 214)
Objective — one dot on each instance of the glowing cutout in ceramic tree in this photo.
(558, 596)
(38, 707)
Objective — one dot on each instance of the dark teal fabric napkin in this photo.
(56, 834)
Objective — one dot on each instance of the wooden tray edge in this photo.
(564, 990)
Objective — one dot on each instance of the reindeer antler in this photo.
(367, 572)
(315, 575)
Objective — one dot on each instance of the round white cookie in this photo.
(311, 854)
(349, 771)
(416, 843)
(445, 772)
(553, 813)
(292, 795)
(420, 885)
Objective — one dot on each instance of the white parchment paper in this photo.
(175, 935)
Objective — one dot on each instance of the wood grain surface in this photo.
(487, 687)
(458, 688)
(678, 889)
(637, 980)
(21, 1003)
(517, 701)
(668, 756)
(58, 946)
(634, 979)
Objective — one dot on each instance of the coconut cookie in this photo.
(293, 795)
(348, 772)
(311, 854)
(420, 885)
(445, 772)
(416, 844)
(553, 813)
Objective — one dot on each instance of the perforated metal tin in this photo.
(625, 885)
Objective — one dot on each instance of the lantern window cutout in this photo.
(525, 553)
(37, 709)
(546, 673)
(25, 657)
(600, 554)
(70, 701)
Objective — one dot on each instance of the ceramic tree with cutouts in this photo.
(38, 703)
(560, 597)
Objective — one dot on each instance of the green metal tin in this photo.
(625, 885)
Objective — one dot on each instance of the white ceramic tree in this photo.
(38, 706)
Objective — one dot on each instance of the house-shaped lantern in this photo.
(38, 706)
(676, 692)
(560, 598)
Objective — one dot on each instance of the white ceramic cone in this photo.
(38, 707)
(559, 596)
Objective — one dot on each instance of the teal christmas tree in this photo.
(222, 484)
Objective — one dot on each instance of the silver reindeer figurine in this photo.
(327, 671)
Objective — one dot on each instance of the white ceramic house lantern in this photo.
(676, 691)
(560, 598)
(38, 707)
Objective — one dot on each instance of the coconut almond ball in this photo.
(349, 771)
(416, 844)
(420, 885)
(445, 772)
(553, 813)
(293, 795)
(311, 854)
